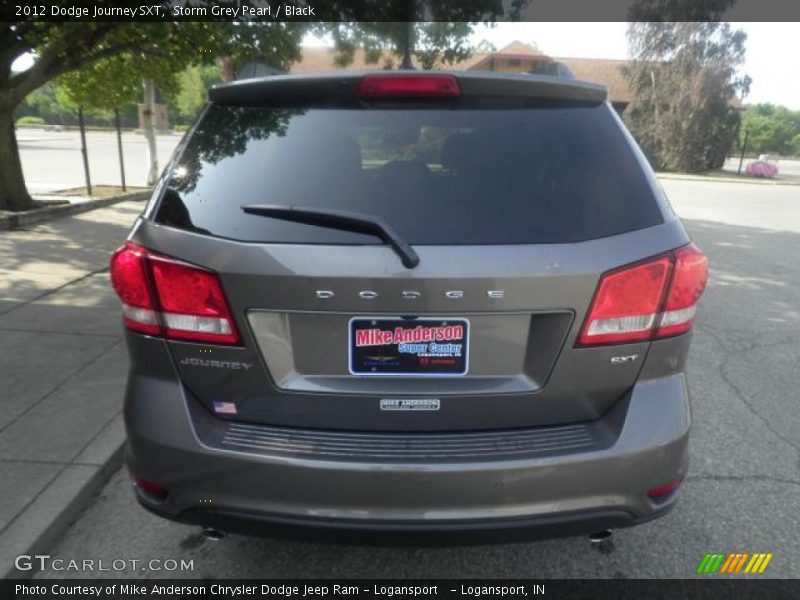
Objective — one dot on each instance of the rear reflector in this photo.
(164, 296)
(386, 86)
(150, 487)
(664, 490)
(646, 300)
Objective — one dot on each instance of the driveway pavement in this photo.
(741, 495)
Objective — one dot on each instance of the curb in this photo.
(750, 180)
(42, 522)
(21, 219)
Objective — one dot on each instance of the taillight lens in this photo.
(647, 300)
(182, 302)
(192, 302)
(688, 284)
(129, 278)
(441, 86)
(626, 304)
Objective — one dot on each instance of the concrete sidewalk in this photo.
(62, 373)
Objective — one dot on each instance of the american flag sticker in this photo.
(225, 408)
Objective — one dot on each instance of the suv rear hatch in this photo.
(516, 194)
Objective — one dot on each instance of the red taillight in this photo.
(129, 278)
(150, 487)
(184, 302)
(192, 302)
(633, 304)
(664, 490)
(688, 284)
(443, 86)
(626, 304)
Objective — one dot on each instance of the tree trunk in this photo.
(13, 194)
(226, 68)
(408, 43)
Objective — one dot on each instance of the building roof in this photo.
(594, 70)
(604, 71)
(514, 50)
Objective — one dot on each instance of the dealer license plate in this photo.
(409, 347)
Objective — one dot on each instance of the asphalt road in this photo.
(51, 160)
(742, 491)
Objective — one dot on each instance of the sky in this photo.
(772, 58)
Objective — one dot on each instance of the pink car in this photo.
(762, 168)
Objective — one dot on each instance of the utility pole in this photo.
(148, 124)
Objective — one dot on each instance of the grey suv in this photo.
(408, 302)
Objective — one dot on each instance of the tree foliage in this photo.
(771, 129)
(193, 86)
(432, 44)
(686, 88)
(434, 33)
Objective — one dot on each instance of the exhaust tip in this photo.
(600, 537)
(212, 534)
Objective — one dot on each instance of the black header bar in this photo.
(270, 11)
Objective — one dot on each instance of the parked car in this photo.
(405, 302)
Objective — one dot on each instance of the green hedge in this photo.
(29, 120)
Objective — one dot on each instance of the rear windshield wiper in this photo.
(339, 219)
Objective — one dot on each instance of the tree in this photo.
(431, 44)
(137, 48)
(47, 103)
(194, 83)
(685, 87)
(771, 129)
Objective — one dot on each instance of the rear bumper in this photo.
(264, 492)
(350, 531)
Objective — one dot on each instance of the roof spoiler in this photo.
(342, 87)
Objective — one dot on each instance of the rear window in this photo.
(549, 174)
